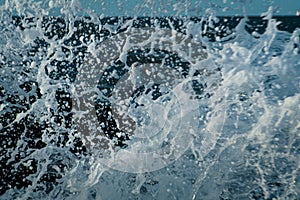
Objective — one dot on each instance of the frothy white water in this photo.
(243, 137)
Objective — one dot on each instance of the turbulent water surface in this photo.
(147, 107)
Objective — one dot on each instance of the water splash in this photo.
(244, 140)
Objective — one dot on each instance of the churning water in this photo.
(146, 108)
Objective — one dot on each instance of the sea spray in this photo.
(246, 143)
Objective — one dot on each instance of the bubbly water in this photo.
(205, 119)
